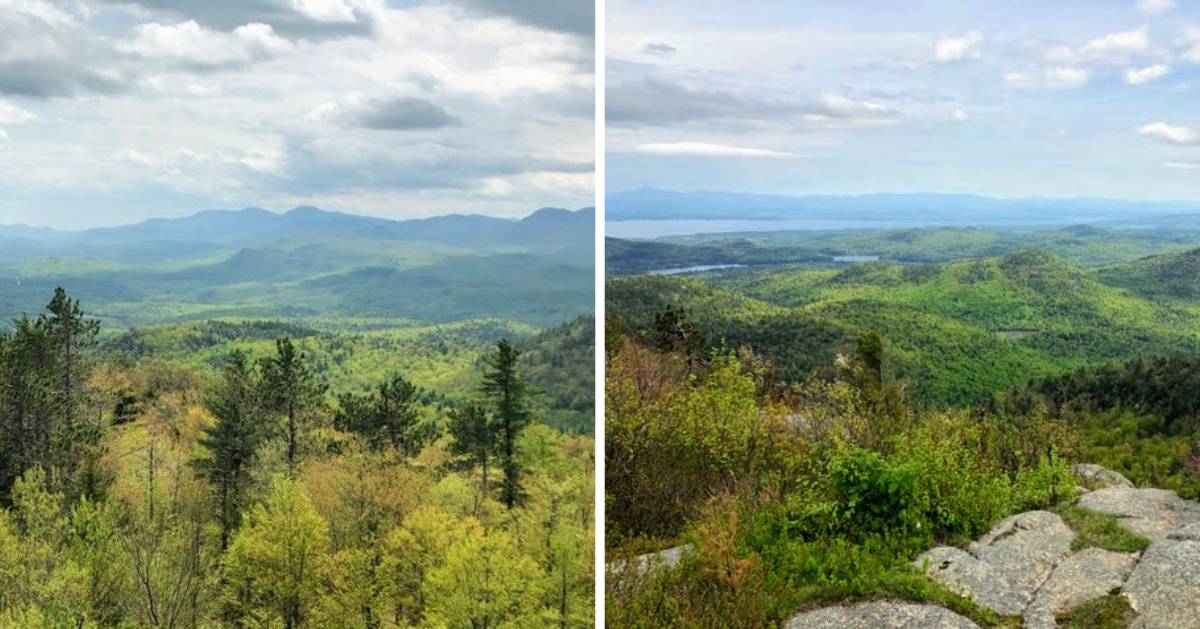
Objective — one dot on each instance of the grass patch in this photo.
(1100, 530)
(1106, 612)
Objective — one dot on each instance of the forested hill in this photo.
(309, 263)
(957, 332)
(1083, 245)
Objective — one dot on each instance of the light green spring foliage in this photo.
(355, 534)
(278, 560)
(958, 332)
(800, 497)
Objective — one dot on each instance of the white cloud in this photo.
(959, 115)
(1189, 166)
(1135, 76)
(189, 43)
(1192, 36)
(1170, 134)
(705, 149)
(1018, 79)
(953, 49)
(1118, 45)
(133, 157)
(1055, 78)
(10, 114)
(325, 10)
(1154, 7)
(1062, 78)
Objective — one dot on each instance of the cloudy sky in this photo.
(999, 97)
(117, 110)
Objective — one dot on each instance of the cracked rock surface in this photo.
(1153, 513)
(880, 615)
(1164, 588)
(1004, 569)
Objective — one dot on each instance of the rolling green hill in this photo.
(1171, 276)
(1081, 245)
(957, 332)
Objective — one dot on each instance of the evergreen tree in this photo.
(29, 402)
(290, 388)
(386, 416)
(233, 439)
(506, 390)
(475, 437)
(71, 334)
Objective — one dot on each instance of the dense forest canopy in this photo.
(213, 476)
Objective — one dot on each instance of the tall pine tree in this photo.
(233, 439)
(476, 438)
(72, 334)
(385, 416)
(503, 386)
(290, 389)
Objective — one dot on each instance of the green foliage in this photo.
(1084, 245)
(1100, 530)
(505, 391)
(290, 389)
(137, 522)
(387, 416)
(276, 564)
(958, 332)
(674, 441)
(1106, 612)
(233, 439)
(43, 370)
(838, 487)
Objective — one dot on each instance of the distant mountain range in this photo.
(658, 204)
(309, 263)
(168, 238)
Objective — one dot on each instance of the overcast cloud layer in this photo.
(1014, 98)
(113, 111)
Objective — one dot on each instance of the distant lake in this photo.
(694, 269)
(684, 227)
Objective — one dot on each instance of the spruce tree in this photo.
(475, 437)
(31, 405)
(385, 416)
(71, 334)
(503, 386)
(233, 439)
(290, 389)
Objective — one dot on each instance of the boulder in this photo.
(1003, 569)
(1093, 476)
(880, 615)
(1153, 513)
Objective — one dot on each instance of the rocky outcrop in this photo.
(1153, 513)
(1024, 565)
(880, 615)
(1164, 588)
(1093, 476)
(1081, 577)
(1004, 569)
(643, 564)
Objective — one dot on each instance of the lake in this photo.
(694, 269)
